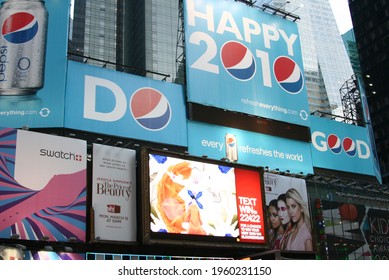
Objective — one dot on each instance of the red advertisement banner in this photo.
(249, 202)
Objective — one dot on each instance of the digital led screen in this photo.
(197, 199)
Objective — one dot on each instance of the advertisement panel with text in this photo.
(197, 199)
(111, 102)
(245, 147)
(33, 55)
(340, 146)
(114, 193)
(42, 187)
(243, 59)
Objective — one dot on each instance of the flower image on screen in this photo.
(192, 197)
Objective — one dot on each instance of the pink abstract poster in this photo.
(42, 186)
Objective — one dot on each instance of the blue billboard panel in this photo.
(33, 63)
(242, 59)
(255, 149)
(340, 146)
(115, 103)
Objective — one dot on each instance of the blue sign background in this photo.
(46, 107)
(209, 83)
(341, 161)
(174, 133)
(253, 148)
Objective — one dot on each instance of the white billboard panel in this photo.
(114, 197)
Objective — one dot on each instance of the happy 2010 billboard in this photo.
(243, 59)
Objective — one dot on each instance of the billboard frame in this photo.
(148, 237)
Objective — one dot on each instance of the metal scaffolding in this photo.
(351, 102)
(180, 47)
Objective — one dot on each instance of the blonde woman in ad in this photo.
(300, 238)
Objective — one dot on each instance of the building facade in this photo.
(352, 50)
(326, 64)
(137, 37)
(371, 28)
(97, 32)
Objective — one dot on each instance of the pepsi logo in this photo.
(238, 60)
(19, 28)
(230, 141)
(150, 109)
(334, 143)
(349, 146)
(288, 74)
(352, 147)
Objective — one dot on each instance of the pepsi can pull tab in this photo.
(23, 26)
(231, 147)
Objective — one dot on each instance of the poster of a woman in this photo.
(292, 208)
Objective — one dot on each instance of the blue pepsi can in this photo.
(23, 37)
